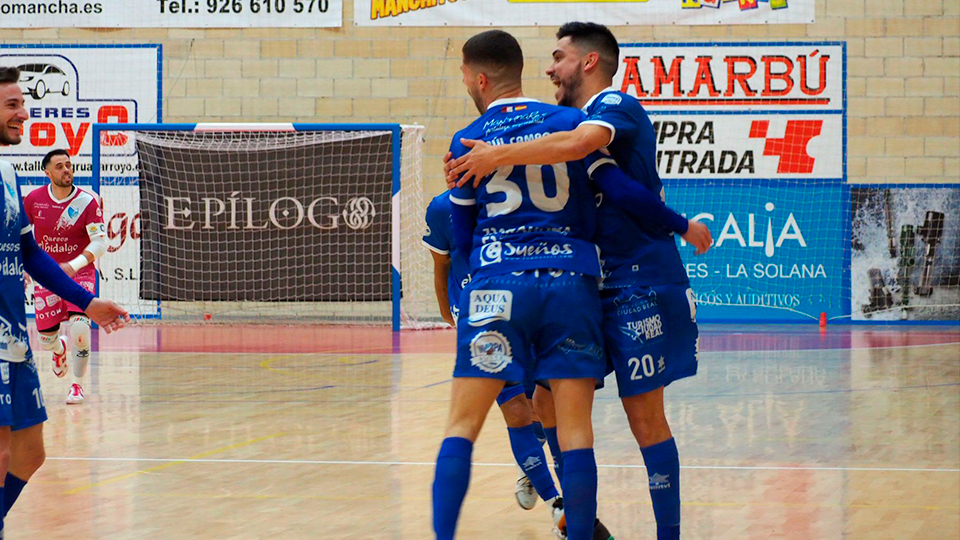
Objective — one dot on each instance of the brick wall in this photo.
(903, 77)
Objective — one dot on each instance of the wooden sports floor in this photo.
(225, 432)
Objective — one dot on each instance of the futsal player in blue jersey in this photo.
(649, 309)
(451, 275)
(534, 268)
(22, 411)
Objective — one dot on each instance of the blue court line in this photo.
(431, 385)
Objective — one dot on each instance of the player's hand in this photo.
(108, 315)
(476, 164)
(698, 236)
(448, 171)
(448, 318)
(68, 270)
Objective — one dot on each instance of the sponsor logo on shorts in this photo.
(491, 253)
(38, 303)
(569, 345)
(635, 303)
(644, 329)
(659, 481)
(692, 300)
(490, 352)
(5, 372)
(489, 306)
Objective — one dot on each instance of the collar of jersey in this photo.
(604, 91)
(507, 101)
(73, 192)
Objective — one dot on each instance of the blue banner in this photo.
(777, 244)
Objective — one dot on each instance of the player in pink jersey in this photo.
(68, 225)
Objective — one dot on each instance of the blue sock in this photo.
(663, 470)
(11, 490)
(551, 434)
(529, 455)
(538, 431)
(450, 485)
(580, 493)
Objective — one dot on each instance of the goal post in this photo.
(275, 223)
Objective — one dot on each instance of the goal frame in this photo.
(395, 129)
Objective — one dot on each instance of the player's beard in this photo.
(474, 93)
(64, 182)
(8, 139)
(569, 89)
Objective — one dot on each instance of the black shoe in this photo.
(600, 532)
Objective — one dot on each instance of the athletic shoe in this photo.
(525, 494)
(559, 519)
(75, 397)
(600, 531)
(60, 360)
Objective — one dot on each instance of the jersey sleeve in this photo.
(25, 225)
(436, 220)
(92, 219)
(467, 194)
(618, 113)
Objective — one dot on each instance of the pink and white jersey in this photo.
(63, 228)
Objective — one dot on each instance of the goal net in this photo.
(272, 223)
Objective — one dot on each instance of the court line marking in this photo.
(201, 459)
(451, 353)
(167, 463)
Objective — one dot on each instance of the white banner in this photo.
(556, 12)
(737, 76)
(69, 88)
(170, 13)
(749, 146)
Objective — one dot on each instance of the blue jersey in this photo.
(439, 238)
(14, 344)
(632, 254)
(529, 217)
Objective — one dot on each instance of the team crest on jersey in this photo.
(490, 351)
(489, 306)
(611, 99)
(491, 253)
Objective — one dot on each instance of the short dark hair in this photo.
(51, 154)
(9, 75)
(498, 51)
(593, 37)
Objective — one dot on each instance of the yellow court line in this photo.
(171, 464)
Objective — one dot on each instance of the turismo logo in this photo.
(644, 329)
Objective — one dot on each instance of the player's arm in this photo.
(97, 247)
(441, 284)
(634, 199)
(559, 147)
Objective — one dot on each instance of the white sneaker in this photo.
(60, 360)
(526, 495)
(559, 519)
(75, 397)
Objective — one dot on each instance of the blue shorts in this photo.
(651, 335)
(536, 325)
(21, 402)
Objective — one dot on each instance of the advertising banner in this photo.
(905, 263)
(230, 229)
(170, 13)
(751, 141)
(776, 245)
(67, 88)
(557, 12)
